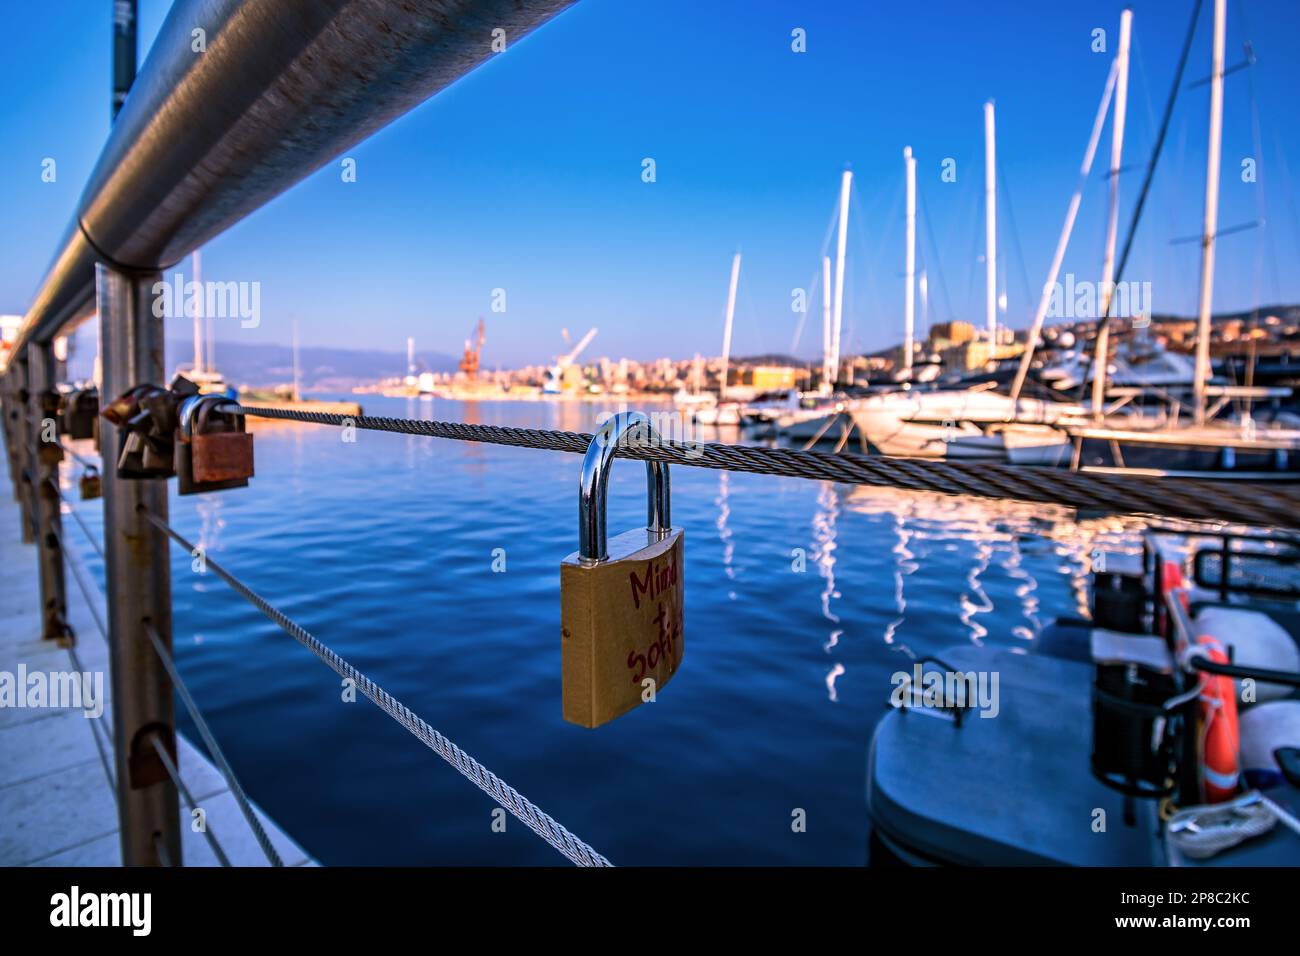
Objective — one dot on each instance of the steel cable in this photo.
(188, 797)
(214, 750)
(507, 796)
(1240, 502)
(94, 729)
(187, 699)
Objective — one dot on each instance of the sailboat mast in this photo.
(846, 183)
(726, 328)
(198, 311)
(828, 370)
(1102, 353)
(297, 393)
(923, 290)
(1063, 241)
(990, 227)
(909, 293)
(1211, 212)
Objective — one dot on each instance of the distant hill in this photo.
(771, 358)
(320, 369)
(267, 365)
(1287, 313)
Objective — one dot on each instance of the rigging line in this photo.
(1015, 235)
(170, 766)
(1261, 207)
(1229, 231)
(524, 810)
(825, 248)
(870, 259)
(938, 262)
(814, 284)
(210, 741)
(1104, 319)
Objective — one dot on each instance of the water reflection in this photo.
(823, 527)
(991, 537)
(724, 532)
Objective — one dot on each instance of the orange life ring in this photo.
(1220, 766)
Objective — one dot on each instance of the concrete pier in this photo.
(56, 792)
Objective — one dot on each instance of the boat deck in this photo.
(57, 803)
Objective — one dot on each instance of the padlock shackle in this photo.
(594, 483)
(191, 405)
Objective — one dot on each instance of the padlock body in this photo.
(223, 456)
(91, 487)
(621, 625)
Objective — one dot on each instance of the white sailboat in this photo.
(1162, 444)
(202, 372)
(951, 422)
(815, 415)
(723, 412)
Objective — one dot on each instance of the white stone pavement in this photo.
(57, 805)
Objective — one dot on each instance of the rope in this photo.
(1201, 832)
(175, 774)
(1251, 503)
(214, 750)
(507, 796)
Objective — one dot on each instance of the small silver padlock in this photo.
(621, 601)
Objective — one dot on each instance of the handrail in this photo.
(277, 90)
(1183, 628)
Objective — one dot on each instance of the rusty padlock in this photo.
(148, 413)
(90, 483)
(213, 450)
(121, 409)
(80, 412)
(621, 601)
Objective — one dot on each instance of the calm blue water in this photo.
(383, 549)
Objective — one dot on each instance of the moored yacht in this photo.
(1165, 731)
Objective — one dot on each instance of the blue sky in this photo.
(526, 175)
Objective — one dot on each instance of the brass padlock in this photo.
(621, 602)
(213, 450)
(90, 483)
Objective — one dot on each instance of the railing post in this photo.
(138, 575)
(9, 397)
(22, 438)
(47, 452)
